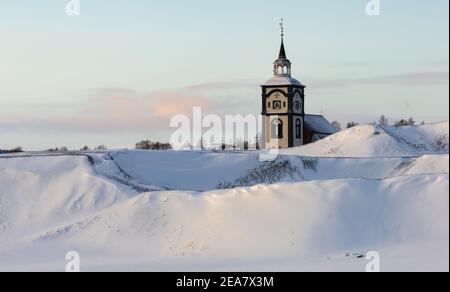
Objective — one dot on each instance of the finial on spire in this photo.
(282, 27)
(282, 50)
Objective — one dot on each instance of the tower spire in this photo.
(282, 66)
(282, 49)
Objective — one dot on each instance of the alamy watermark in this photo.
(228, 132)
(73, 8)
(73, 262)
(374, 262)
(373, 8)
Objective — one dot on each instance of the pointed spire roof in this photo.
(282, 50)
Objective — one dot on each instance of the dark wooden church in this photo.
(285, 122)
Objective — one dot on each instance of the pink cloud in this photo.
(173, 103)
(114, 110)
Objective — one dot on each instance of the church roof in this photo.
(282, 80)
(319, 125)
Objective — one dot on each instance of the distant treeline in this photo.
(149, 145)
(14, 150)
(85, 148)
(384, 121)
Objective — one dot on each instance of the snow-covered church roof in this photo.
(319, 125)
(282, 80)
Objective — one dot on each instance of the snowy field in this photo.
(320, 207)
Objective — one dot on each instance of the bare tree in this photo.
(336, 125)
(404, 123)
(101, 148)
(246, 145)
(201, 144)
(224, 146)
(351, 125)
(384, 121)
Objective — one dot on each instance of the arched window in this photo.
(277, 129)
(280, 70)
(298, 129)
(285, 70)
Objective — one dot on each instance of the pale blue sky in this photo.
(86, 79)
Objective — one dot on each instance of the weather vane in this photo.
(282, 27)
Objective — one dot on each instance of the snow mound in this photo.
(380, 141)
(203, 171)
(282, 219)
(288, 226)
(36, 192)
(295, 168)
(179, 170)
(197, 211)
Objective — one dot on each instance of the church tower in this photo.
(283, 100)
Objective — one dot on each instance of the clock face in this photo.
(277, 104)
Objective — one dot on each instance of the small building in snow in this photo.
(316, 128)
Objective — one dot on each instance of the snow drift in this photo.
(380, 141)
(165, 211)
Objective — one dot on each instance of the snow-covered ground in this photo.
(380, 141)
(316, 208)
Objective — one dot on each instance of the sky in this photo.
(119, 71)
